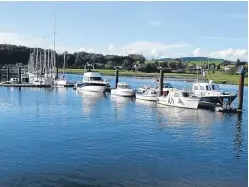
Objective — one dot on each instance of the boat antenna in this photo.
(54, 60)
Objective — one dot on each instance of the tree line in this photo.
(13, 54)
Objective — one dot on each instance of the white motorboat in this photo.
(124, 90)
(61, 82)
(92, 81)
(147, 93)
(211, 95)
(179, 98)
(166, 86)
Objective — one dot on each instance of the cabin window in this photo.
(202, 88)
(215, 87)
(167, 85)
(185, 94)
(95, 78)
(177, 94)
(123, 86)
(195, 87)
(208, 88)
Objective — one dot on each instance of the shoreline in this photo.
(217, 78)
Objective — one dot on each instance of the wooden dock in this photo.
(32, 85)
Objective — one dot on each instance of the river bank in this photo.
(217, 77)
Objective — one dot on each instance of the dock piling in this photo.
(57, 73)
(19, 75)
(241, 89)
(161, 83)
(8, 73)
(116, 83)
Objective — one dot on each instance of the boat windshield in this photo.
(187, 94)
(123, 86)
(94, 79)
(167, 85)
(208, 88)
(215, 87)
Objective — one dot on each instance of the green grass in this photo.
(218, 77)
(221, 78)
(189, 64)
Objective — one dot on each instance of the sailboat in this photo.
(62, 81)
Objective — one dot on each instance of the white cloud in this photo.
(155, 23)
(231, 54)
(31, 41)
(197, 52)
(148, 49)
(17, 39)
(110, 47)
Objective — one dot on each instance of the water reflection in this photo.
(89, 100)
(180, 116)
(238, 136)
(149, 104)
(119, 105)
(60, 90)
(20, 96)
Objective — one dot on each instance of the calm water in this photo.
(58, 137)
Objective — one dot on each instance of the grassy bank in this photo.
(221, 78)
(217, 77)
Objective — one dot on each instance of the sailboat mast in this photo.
(36, 63)
(48, 64)
(64, 61)
(54, 61)
(44, 61)
(40, 62)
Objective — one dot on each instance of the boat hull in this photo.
(213, 101)
(146, 98)
(60, 83)
(123, 92)
(182, 102)
(92, 88)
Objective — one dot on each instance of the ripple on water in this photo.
(65, 138)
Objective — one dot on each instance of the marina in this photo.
(106, 94)
(137, 142)
(206, 95)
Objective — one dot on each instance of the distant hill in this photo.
(195, 59)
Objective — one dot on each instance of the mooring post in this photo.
(161, 83)
(116, 84)
(57, 73)
(20, 75)
(8, 73)
(241, 89)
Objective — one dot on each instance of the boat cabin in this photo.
(180, 93)
(92, 76)
(123, 86)
(165, 85)
(14, 80)
(203, 87)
